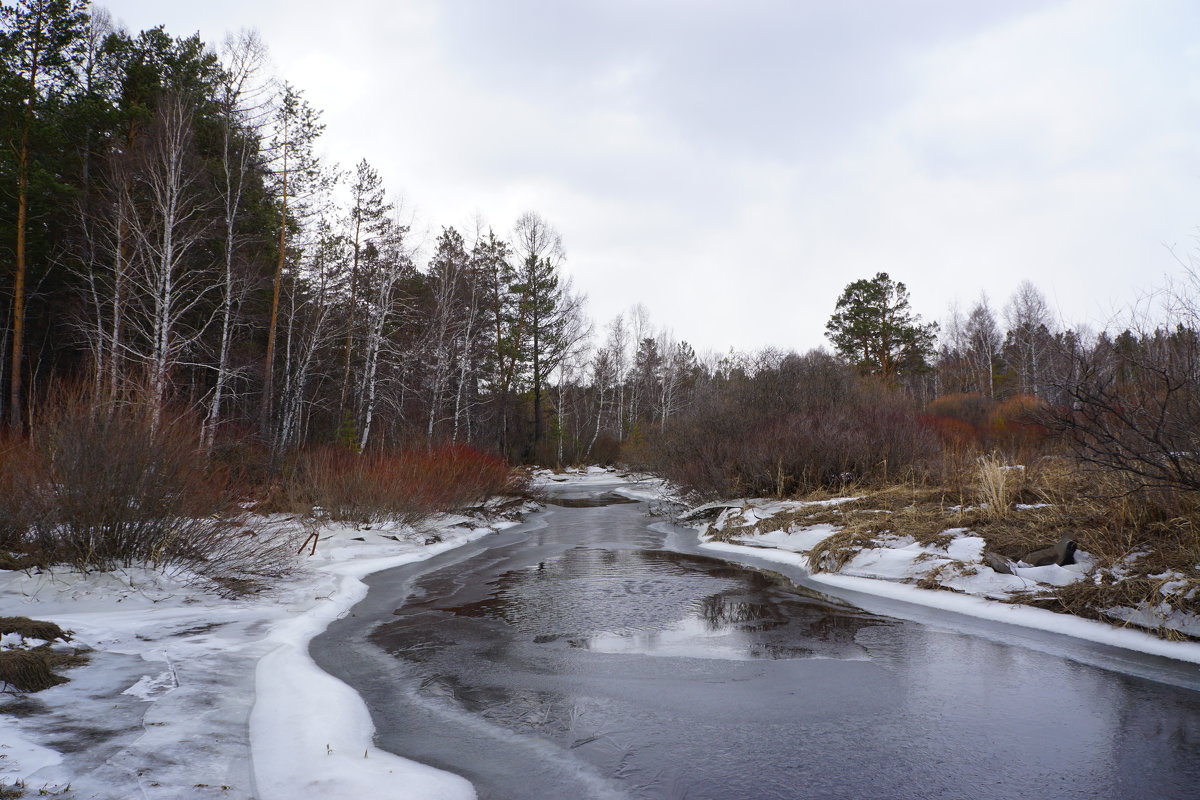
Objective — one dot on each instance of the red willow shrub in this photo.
(972, 421)
(17, 476)
(1015, 426)
(104, 486)
(402, 486)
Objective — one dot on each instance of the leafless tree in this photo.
(300, 184)
(983, 346)
(308, 328)
(244, 112)
(389, 265)
(169, 220)
(1132, 402)
(1029, 337)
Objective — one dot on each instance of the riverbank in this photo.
(946, 566)
(188, 694)
(949, 565)
(192, 695)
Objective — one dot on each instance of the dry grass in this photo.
(996, 485)
(26, 671)
(33, 669)
(1140, 541)
(33, 629)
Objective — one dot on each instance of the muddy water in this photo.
(579, 656)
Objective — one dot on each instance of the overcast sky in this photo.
(733, 165)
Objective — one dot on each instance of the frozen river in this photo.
(594, 652)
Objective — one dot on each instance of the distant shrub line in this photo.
(103, 486)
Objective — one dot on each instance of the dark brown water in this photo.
(580, 656)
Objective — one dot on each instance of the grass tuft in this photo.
(33, 629)
(31, 670)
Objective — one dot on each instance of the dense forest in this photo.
(172, 241)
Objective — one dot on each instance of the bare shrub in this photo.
(403, 486)
(1132, 406)
(110, 487)
(804, 424)
(17, 513)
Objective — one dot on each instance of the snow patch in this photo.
(227, 697)
(1026, 616)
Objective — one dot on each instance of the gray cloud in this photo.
(734, 165)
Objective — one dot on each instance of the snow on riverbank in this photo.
(893, 566)
(190, 695)
(896, 564)
(634, 485)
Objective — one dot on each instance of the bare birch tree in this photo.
(170, 219)
(308, 326)
(243, 104)
(1029, 338)
(389, 264)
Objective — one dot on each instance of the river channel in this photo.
(595, 652)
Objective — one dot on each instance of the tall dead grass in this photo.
(996, 483)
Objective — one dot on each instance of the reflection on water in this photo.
(590, 501)
(661, 603)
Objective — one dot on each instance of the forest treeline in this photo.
(173, 241)
(174, 238)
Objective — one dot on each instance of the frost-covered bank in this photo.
(945, 567)
(191, 695)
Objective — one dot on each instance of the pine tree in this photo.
(874, 328)
(541, 303)
(39, 43)
(297, 174)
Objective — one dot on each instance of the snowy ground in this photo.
(189, 695)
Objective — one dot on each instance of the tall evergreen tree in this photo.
(541, 307)
(39, 46)
(874, 328)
